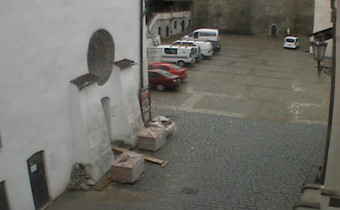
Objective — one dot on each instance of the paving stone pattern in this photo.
(217, 162)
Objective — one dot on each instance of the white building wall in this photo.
(322, 20)
(168, 19)
(44, 46)
(332, 180)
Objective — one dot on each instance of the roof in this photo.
(124, 63)
(85, 80)
(325, 33)
(173, 46)
(207, 29)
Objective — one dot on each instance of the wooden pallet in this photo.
(146, 157)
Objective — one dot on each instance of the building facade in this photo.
(255, 17)
(70, 78)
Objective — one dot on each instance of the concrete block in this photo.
(127, 167)
(151, 138)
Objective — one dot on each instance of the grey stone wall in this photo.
(255, 16)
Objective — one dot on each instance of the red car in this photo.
(160, 79)
(172, 68)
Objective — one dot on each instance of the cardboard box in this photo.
(127, 167)
(151, 138)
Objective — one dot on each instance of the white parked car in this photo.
(291, 42)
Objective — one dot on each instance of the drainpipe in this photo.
(141, 54)
(331, 100)
(141, 44)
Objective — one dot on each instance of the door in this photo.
(3, 197)
(36, 171)
(274, 31)
(183, 25)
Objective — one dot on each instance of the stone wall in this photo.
(254, 16)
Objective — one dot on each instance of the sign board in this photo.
(145, 104)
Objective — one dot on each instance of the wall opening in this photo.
(100, 55)
(37, 175)
(175, 25)
(107, 114)
(3, 197)
(159, 31)
(183, 25)
(0, 141)
(274, 30)
(167, 33)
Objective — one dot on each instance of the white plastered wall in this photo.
(332, 180)
(322, 20)
(44, 46)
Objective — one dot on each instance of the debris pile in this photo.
(79, 178)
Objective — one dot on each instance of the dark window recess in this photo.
(334, 202)
(208, 34)
(3, 197)
(170, 51)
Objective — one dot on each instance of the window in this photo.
(170, 51)
(176, 67)
(153, 75)
(164, 68)
(175, 24)
(208, 33)
(196, 35)
(3, 197)
(100, 55)
(165, 73)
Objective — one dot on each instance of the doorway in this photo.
(107, 114)
(167, 31)
(37, 174)
(183, 25)
(3, 197)
(274, 31)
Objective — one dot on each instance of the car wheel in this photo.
(160, 87)
(180, 63)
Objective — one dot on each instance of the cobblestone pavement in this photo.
(216, 162)
(251, 122)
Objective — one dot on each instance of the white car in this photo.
(291, 42)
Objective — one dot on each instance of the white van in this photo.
(197, 49)
(177, 54)
(206, 47)
(203, 34)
